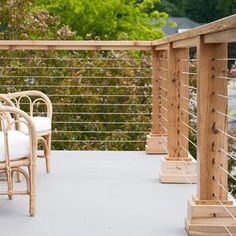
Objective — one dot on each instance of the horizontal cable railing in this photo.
(99, 102)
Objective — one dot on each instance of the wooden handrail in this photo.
(216, 26)
(74, 45)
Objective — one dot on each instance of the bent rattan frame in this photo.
(45, 137)
(9, 167)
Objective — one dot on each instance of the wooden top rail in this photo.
(220, 31)
(74, 45)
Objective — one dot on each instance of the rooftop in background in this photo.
(183, 24)
(100, 193)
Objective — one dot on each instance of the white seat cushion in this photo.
(18, 143)
(42, 124)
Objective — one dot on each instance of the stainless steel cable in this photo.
(225, 133)
(187, 99)
(74, 58)
(223, 114)
(163, 127)
(99, 113)
(186, 163)
(100, 122)
(100, 104)
(188, 140)
(225, 59)
(164, 118)
(195, 131)
(226, 97)
(188, 73)
(227, 172)
(162, 88)
(163, 78)
(188, 60)
(226, 78)
(101, 131)
(226, 153)
(163, 68)
(98, 95)
(73, 77)
(74, 67)
(191, 114)
(190, 87)
(74, 86)
(97, 141)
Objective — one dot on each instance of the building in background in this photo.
(182, 24)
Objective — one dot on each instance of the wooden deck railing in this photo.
(211, 211)
(190, 78)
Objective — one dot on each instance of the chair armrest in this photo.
(6, 101)
(8, 110)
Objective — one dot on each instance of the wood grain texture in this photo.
(225, 36)
(175, 103)
(209, 158)
(156, 129)
(74, 45)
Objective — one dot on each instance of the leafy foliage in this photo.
(202, 11)
(38, 24)
(108, 19)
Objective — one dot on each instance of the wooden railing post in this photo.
(210, 212)
(177, 167)
(156, 140)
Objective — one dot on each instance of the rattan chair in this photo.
(43, 124)
(18, 150)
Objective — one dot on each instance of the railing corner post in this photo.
(156, 140)
(211, 212)
(178, 166)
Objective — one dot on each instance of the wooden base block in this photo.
(156, 144)
(210, 220)
(211, 202)
(178, 171)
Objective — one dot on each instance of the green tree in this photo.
(172, 7)
(18, 21)
(226, 7)
(202, 11)
(108, 19)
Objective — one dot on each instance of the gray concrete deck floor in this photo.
(99, 194)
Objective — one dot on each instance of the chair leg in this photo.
(48, 154)
(32, 190)
(9, 183)
(46, 142)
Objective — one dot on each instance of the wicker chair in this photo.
(43, 124)
(18, 150)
